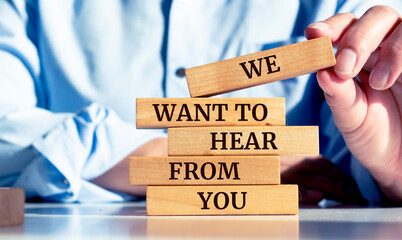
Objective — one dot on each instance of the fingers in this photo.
(389, 65)
(346, 99)
(359, 42)
(316, 166)
(320, 178)
(362, 38)
(289, 161)
(308, 196)
(372, 60)
(334, 27)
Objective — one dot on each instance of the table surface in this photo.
(129, 221)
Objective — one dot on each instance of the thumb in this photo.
(346, 99)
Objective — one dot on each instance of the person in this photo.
(70, 72)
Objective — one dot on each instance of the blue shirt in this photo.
(70, 72)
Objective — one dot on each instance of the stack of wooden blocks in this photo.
(223, 153)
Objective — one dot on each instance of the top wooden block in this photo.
(261, 67)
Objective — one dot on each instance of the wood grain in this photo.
(215, 170)
(12, 206)
(186, 112)
(249, 199)
(273, 65)
(264, 140)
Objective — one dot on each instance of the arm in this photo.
(116, 179)
(53, 156)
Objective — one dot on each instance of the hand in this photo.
(319, 178)
(364, 89)
(116, 178)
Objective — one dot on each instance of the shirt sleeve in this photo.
(80, 148)
(52, 155)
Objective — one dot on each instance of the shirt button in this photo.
(180, 72)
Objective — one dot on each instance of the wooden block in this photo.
(186, 112)
(216, 170)
(222, 227)
(12, 206)
(264, 140)
(222, 200)
(261, 67)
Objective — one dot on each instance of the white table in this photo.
(129, 221)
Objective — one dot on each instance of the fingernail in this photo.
(345, 62)
(318, 25)
(379, 76)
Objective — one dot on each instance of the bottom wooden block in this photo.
(222, 200)
(11, 206)
(222, 227)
